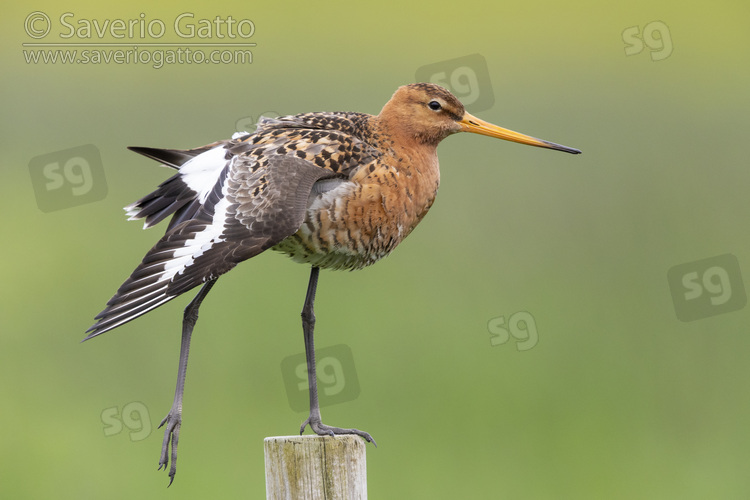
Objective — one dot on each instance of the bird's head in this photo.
(428, 113)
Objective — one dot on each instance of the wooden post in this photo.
(315, 467)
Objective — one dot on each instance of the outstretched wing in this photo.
(249, 210)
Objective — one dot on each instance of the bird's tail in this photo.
(183, 193)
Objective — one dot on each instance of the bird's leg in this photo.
(308, 326)
(173, 420)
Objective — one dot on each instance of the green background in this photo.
(619, 399)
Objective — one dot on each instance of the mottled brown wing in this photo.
(248, 211)
(264, 207)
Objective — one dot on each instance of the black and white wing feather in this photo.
(185, 192)
(247, 209)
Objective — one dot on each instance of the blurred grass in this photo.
(618, 399)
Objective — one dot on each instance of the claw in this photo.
(171, 435)
(322, 429)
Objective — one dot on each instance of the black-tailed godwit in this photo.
(333, 190)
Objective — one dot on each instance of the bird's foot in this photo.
(322, 429)
(173, 420)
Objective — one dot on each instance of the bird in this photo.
(332, 190)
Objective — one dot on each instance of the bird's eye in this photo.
(434, 105)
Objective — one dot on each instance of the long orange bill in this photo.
(472, 124)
